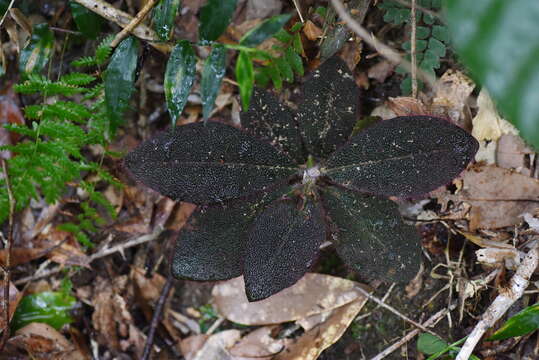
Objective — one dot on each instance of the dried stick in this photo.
(413, 50)
(384, 50)
(134, 23)
(518, 283)
(123, 19)
(433, 320)
(298, 9)
(148, 346)
(104, 252)
(393, 310)
(9, 246)
(7, 12)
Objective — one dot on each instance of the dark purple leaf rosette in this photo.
(270, 194)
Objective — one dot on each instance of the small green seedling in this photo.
(270, 194)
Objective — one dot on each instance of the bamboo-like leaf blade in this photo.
(212, 244)
(264, 30)
(327, 113)
(267, 119)
(179, 77)
(212, 76)
(207, 163)
(283, 244)
(215, 17)
(405, 156)
(120, 81)
(520, 324)
(36, 54)
(163, 16)
(245, 77)
(370, 235)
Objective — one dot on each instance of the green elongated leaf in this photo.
(264, 30)
(36, 54)
(275, 76)
(212, 244)
(497, 41)
(163, 16)
(48, 307)
(283, 244)
(328, 111)
(267, 119)
(88, 22)
(294, 60)
(179, 77)
(215, 17)
(371, 237)
(245, 76)
(430, 344)
(522, 323)
(212, 76)
(285, 69)
(120, 81)
(405, 156)
(207, 163)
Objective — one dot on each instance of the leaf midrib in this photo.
(214, 163)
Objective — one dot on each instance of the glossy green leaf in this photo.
(120, 81)
(327, 114)
(497, 40)
(520, 324)
(37, 53)
(245, 77)
(88, 22)
(212, 76)
(430, 344)
(269, 120)
(48, 307)
(207, 163)
(371, 237)
(405, 156)
(179, 77)
(264, 30)
(215, 17)
(211, 246)
(163, 16)
(283, 243)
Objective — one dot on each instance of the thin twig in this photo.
(384, 50)
(104, 252)
(134, 23)
(7, 12)
(507, 297)
(413, 50)
(433, 320)
(148, 346)
(9, 246)
(393, 310)
(298, 9)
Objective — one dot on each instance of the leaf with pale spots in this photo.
(405, 156)
(208, 163)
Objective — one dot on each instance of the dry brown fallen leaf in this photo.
(216, 346)
(65, 249)
(511, 153)
(311, 31)
(21, 255)
(259, 344)
(450, 99)
(311, 344)
(312, 294)
(498, 197)
(14, 298)
(406, 106)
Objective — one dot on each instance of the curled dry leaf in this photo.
(313, 342)
(65, 249)
(313, 294)
(405, 106)
(452, 91)
(311, 31)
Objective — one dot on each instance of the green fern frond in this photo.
(77, 79)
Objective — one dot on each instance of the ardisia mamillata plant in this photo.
(270, 194)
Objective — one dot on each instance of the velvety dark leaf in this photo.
(88, 22)
(215, 17)
(497, 40)
(264, 30)
(179, 77)
(327, 114)
(212, 76)
(269, 120)
(163, 16)
(245, 77)
(120, 81)
(206, 163)
(370, 235)
(405, 156)
(520, 324)
(36, 54)
(283, 244)
(211, 246)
